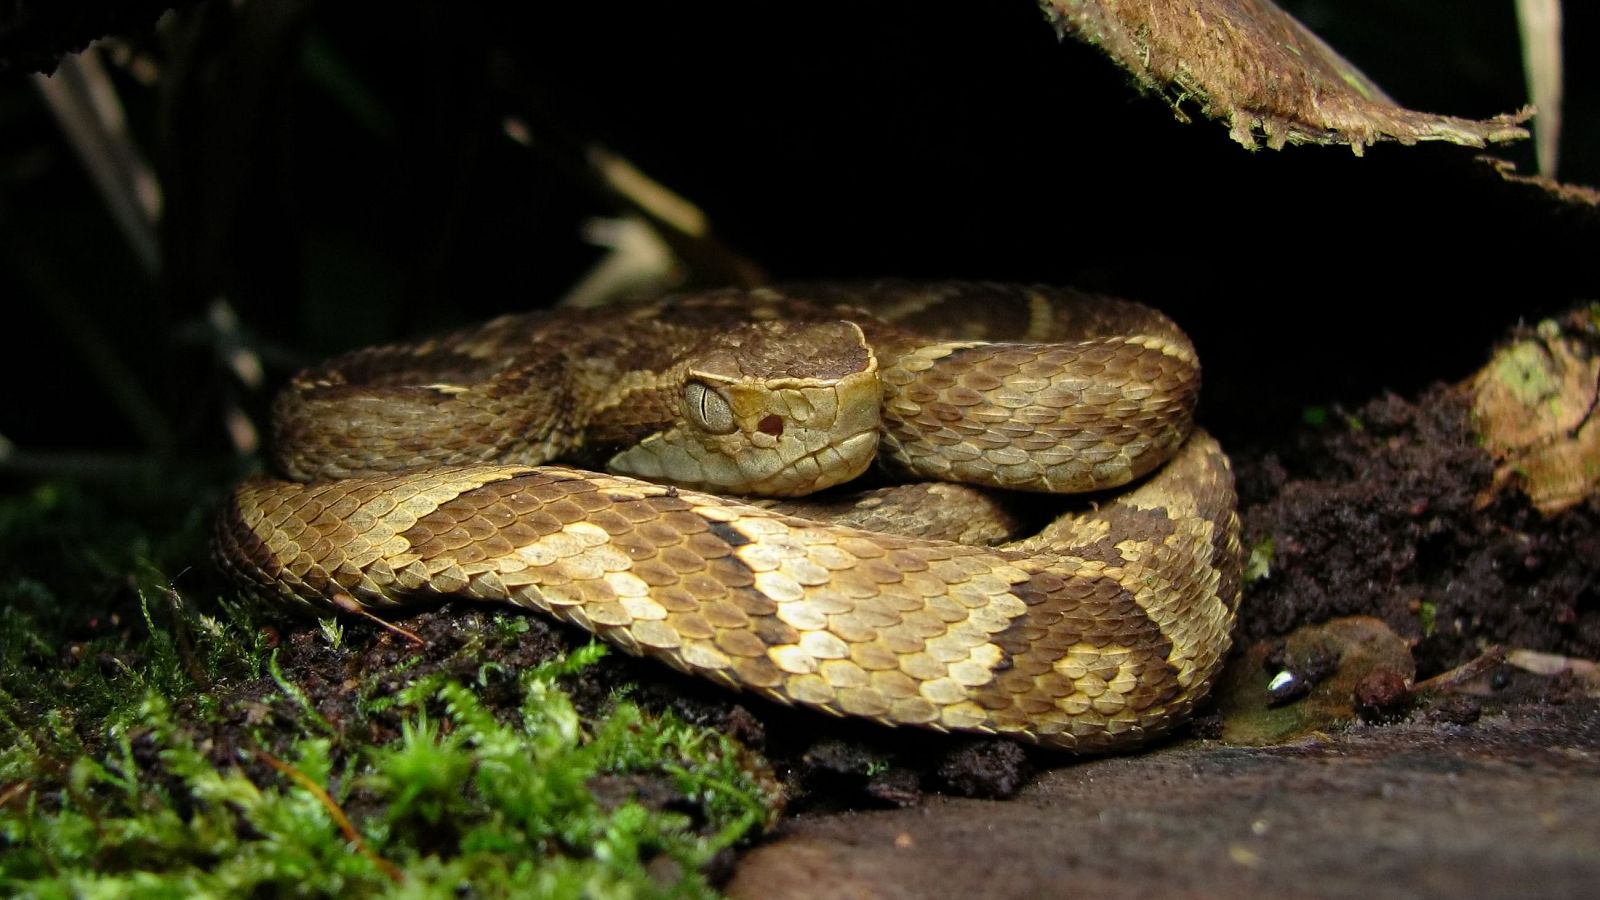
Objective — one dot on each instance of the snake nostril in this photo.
(772, 424)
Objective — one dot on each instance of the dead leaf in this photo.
(1575, 195)
(1534, 406)
(1585, 671)
(1254, 66)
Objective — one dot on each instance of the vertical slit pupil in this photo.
(709, 408)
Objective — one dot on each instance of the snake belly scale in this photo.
(419, 471)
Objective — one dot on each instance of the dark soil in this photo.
(1386, 511)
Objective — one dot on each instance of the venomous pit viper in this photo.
(420, 470)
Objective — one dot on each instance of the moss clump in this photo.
(172, 755)
(460, 800)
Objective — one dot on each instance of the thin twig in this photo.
(12, 791)
(637, 261)
(350, 604)
(1467, 671)
(233, 353)
(1539, 21)
(86, 105)
(334, 810)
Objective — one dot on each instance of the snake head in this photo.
(775, 409)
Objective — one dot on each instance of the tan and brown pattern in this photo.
(1098, 632)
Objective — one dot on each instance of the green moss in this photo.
(1427, 617)
(457, 799)
(1259, 565)
(1317, 416)
(179, 753)
(1523, 368)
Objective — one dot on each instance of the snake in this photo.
(603, 466)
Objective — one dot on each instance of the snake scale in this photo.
(421, 470)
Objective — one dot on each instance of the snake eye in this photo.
(708, 409)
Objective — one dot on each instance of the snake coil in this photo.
(420, 471)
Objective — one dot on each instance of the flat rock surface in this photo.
(1508, 806)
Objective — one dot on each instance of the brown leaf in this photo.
(1249, 63)
(1534, 407)
(1572, 195)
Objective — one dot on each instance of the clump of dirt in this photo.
(1388, 511)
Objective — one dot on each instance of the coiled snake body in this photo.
(418, 471)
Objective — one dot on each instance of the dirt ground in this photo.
(1501, 808)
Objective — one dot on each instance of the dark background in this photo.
(342, 178)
